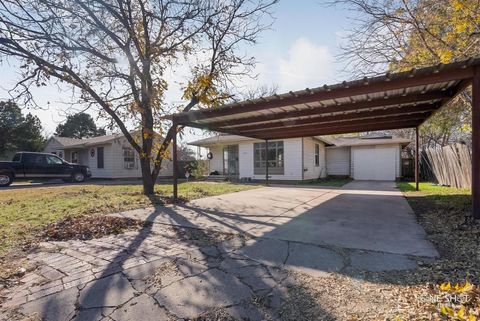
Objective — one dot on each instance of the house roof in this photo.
(76, 143)
(219, 139)
(335, 142)
(66, 141)
(391, 101)
(363, 141)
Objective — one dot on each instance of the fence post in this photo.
(476, 144)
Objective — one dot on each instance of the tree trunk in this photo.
(148, 182)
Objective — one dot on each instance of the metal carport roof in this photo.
(391, 101)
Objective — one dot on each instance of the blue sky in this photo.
(299, 51)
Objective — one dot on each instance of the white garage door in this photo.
(375, 163)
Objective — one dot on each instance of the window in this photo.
(317, 155)
(74, 157)
(54, 160)
(129, 158)
(17, 158)
(34, 159)
(100, 157)
(275, 156)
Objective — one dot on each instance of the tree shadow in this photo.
(232, 270)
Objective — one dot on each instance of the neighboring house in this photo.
(362, 158)
(109, 156)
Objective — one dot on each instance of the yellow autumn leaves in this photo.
(458, 288)
(460, 301)
(440, 32)
(204, 90)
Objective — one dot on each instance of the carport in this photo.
(392, 101)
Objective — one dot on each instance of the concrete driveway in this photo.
(366, 215)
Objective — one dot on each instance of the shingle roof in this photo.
(74, 142)
(66, 141)
(363, 141)
(218, 139)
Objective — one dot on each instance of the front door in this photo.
(230, 161)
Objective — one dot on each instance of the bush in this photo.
(197, 168)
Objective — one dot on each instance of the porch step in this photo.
(216, 178)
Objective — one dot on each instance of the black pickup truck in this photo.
(40, 165)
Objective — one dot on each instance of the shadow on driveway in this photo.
(318, 233)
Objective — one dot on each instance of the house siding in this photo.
(312, 171)
(107, 170)
(113, 162)
(216, 163)
(299, 162)
(338, 161)
(293, 161)
(292, 153)
(53, 146)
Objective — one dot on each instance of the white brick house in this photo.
(367, 158)
(109, 156)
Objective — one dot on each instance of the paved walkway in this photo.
(183, 266)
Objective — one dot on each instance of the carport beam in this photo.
(417, 160)
(175, 163)
(476, 144)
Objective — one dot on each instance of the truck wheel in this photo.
(78, 177)
(5, 179)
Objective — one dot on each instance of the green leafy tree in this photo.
(79, 125)
(19, 132)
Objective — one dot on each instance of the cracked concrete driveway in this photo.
(231, 254)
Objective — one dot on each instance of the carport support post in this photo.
(175, 162)
(476, 144)
(266, 162)
(417, 160)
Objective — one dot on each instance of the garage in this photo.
(377, 163)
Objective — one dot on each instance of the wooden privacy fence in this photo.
(451, 165)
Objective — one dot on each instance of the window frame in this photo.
(49, 157)
(100, 159)
(74, 160)
(316, 156)
(132, 157)
(276, 164)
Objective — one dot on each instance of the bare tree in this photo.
(402, 34)
(115, 55)
(258, 92)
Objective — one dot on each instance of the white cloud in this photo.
(303, 64)
(306, 65)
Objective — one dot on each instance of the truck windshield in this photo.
(17, 157)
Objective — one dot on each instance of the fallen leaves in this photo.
(89, 227)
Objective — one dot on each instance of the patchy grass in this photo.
(445, 214)
(23, 211)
